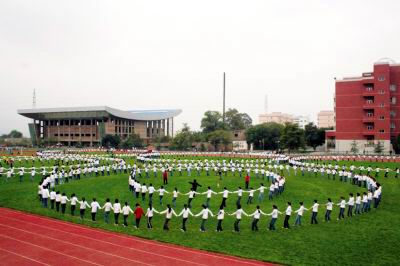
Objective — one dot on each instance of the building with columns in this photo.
(87, 125)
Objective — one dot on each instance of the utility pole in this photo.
(223, 104)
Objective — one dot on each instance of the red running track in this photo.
(27, 239)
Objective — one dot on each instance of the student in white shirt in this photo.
(94, 207)
(220, 218)
(107, 209)
(63, 202)
(299, 212)
(274, 217)
(149, 214)
(256, 217)
(191, 194)
(125, 212)
(45, 196)
(209, 193)
(74, 200)
(238, 213)
(168, 215)
(225, 194)
(329, 207)
(342, 205)
(288, 213)
(175, 194)
(161, 192)
(58, 201)
(358, 204)
(117, 210)
(350, 203)
(314, 212)
(204, 215)
(52, 199)
(185, 215)
(83, 204)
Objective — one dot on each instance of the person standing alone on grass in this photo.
(165, 177)
(247, 181)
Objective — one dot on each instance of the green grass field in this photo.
(370, 239)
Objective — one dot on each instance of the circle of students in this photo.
(356, 204)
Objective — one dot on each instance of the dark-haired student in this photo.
(52, 198)
(117, 210)
(168, 216)
(185, 215)
(74, 201)
(300, 213)
(274, 217)
(314, 212)
(329, 207)
(83, 204)
(238, 213)
(138, 214)
(256, 217)
(342, 205)
(220, 218)
(288, 213)
(205, 212)
(63, 202)
(358, 204)
(149, 214)
(107, 209)
(58, 201)
(94, 206)
(350, 203)
(125, 212)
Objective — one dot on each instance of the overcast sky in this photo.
(171, 54)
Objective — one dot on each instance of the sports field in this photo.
(370, 238)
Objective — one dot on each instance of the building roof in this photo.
(98, 111)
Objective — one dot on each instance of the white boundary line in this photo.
(76, 245)
(149, 242)
(18, 240)
(98, 240)
(22, 256)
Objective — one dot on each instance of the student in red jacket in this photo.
(165, 177)
(247, 181)
(138, 214)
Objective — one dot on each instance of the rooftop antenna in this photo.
(223, 103)
(34, 99)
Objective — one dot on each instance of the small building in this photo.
(326, 119)
(87, 125)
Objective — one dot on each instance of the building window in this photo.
(369, 88)
(393, 100)
(392, 125)
(381, 78)
(381, 117)
(381, 131)
(382, 105)
(381, 92)
(370, 101)
(392, 87)
(370, 114)
(369, 127)
(392, 113)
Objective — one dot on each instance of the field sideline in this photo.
(367, 239)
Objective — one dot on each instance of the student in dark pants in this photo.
(328, 212)
(288, 212)
(314, 212)
(256, 217)
(138, 214)
(342, 205)
(220, 218)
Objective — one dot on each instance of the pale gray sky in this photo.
(171, 54)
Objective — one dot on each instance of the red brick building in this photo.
(367, 110)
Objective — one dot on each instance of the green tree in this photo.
(212, 121)
(219, 137)
(237, 121)
(292, 137)
(264, 136)
(111, 141)
(13, 134)
(182, 141)
(314, 136)
(354, 147)
(133, 141)
(378, 148)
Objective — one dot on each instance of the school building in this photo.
(87, 125)
(367, 110)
